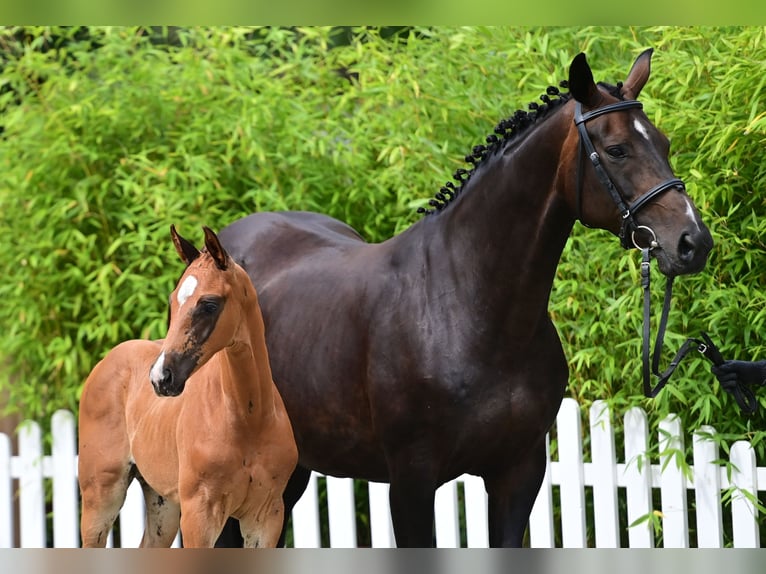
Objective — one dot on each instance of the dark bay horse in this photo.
(223, 447)
(432, 354)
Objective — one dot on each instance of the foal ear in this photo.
(215, 249)
(185, 249)
(638, 75)
(581, 84)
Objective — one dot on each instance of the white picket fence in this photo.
(720, 494)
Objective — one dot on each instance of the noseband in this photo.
(628, 229)
(627, 211)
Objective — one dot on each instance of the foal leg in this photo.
(231, 536)
(162, 519)
(202, 519)
(512, 492)
(263, 528)
(103, 492)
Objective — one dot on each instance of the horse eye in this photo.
(616, 151)
(209, 307)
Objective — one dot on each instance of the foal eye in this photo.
(616, 151)
(209, 307)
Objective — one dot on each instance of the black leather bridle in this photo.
(627, 211)
(628, 228)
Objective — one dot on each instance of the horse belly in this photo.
(318, 361)
(328, 408)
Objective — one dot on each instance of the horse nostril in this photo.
(162, 386)
(686, 248)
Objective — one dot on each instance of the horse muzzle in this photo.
(167, 381)
(687, 255)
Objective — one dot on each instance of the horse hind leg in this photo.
(102, 496)
(163, 518)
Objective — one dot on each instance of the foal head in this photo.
(207, 311)
(612, 144)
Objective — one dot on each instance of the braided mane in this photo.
(505, 131)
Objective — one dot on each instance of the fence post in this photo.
(744, 513)
(638, 479)
(6, 493)
(541, 518)
(477, 531)
(381, 527)
(707, 489)
(31, 492)
(568, 427)
(305, 515)
(132, 517)
(675, 524)
(447, 526)
(64, 473)
(604, 479)
(341, 511)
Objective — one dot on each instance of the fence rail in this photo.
(636, 502)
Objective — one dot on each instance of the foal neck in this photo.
(244, 370)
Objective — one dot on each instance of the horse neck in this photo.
(499, 243)
(245, 373)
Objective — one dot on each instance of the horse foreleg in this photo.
(512, 493)
(201, 522)
(231, 535)
(294, 490)
(263, 528)
(411, 497)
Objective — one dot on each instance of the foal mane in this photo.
(509, 130)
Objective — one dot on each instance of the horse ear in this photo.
(186, 251)
(581, 84)
(215, 249)
(638, 75)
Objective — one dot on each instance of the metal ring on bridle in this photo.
(652, 244)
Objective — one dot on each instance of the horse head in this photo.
(205, 312)
(622, 178)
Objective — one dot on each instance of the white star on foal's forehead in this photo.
(186, 289)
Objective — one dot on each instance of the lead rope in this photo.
(742, 393)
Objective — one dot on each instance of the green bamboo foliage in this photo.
(111, 135)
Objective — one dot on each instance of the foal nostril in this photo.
(163, 386)
(686, 248)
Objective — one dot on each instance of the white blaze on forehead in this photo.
(641, 128)
(186, 289)
(159, 365)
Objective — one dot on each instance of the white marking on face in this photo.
(690, 213)
(186, 289)
(159, 365)
(640, 128)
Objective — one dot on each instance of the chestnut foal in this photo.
(224, 448)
